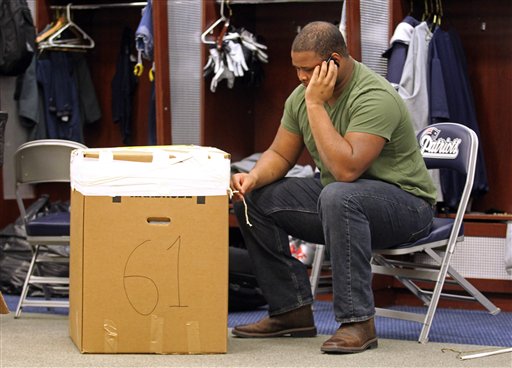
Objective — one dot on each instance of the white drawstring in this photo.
(231, 192)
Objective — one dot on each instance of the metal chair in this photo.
(426, 262)
(36, 162)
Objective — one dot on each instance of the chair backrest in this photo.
(451, 146)
(43, 161)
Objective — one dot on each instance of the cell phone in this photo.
(335, 62)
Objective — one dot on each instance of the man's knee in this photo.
(337, 191)
(336, 195)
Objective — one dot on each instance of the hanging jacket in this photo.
(55, 74)
(123, 87)
(30, 108)
(413, 83)
(90, 110)
(448, 55)
(144, 33)
(399, 45)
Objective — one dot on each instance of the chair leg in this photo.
(46, 290)
(436, 295)
(316, 268)
(470, 289)
(413, 288)
(24, 291)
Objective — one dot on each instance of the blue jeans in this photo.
(351, 219)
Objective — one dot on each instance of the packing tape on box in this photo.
(193, 337)
(110, 337)
(157, 334)
(150, 171)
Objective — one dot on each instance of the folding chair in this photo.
(320, 275)
(36, 162)
(444, 146)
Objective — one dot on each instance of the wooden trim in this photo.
(502, 301)
(482, 217)
(396, 14)
(492, 286)
(353, 12)
(477, 224)
(210, 14)
(232, 221)
(42, 14)
(498, 291)
(483, 285)
(162, 80)
(485, 229)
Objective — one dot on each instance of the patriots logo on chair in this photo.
(432, 145)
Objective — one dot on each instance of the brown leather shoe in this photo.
(296, 323)
(352, 338)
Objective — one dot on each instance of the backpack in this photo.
(17, 37)
(244, 292)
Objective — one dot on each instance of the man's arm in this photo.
(273, 164)
(346, 157)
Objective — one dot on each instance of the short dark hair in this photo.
(323, 38)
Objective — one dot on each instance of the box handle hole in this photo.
(159, 220)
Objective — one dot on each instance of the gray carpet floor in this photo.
(42, 340)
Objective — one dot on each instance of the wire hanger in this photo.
(83, 40)
(54, 27)
(218, 41)
(439, 8)
(437, 15)
(426, 12)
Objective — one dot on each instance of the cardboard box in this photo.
(4, 309)
(148, 273)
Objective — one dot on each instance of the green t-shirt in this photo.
(369, 104)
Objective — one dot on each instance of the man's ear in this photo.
(333, 59)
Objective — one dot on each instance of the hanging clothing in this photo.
(90, 110)
(447, 56)
(397, 51)
(144, 33)
(343, 21)
(413, 83)
(62, 115)
(144, 46)
(66, 94)
(438, 102)
(123, 85)
(30, 107)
